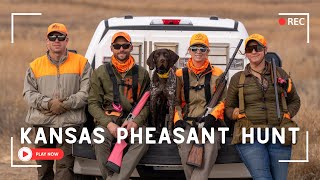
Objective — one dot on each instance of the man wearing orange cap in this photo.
(195, 86)
(115, 88)
(56, 89)
(251, 103)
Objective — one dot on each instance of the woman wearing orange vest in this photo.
(195, 86)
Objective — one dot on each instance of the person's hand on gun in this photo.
(209, 122)
(180, 123)
(128, 125)
(112, 127)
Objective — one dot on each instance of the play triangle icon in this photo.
(24, 154)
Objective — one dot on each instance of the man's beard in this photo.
(122, 59)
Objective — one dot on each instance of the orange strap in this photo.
(289, 86)
(287, 115)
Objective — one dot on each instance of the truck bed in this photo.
(164, 154)
(163, 161)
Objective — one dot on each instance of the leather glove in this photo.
(209, 122)
(56, 106)
(180, 123)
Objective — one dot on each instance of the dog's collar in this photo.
(164, 76)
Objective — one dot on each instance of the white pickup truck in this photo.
(162, 161)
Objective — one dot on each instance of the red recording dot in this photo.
(282, 21)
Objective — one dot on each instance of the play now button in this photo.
(47, 154)
(26, 154)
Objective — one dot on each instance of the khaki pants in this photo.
(129, 161)
(64, 167)
(209, 159)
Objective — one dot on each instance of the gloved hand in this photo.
(180, 123)
(209, 122)
(56, 106)
(235, 114)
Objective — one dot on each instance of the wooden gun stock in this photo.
(197, 151)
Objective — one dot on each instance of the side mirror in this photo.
(273, 55)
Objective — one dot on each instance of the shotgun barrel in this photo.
(274, 74)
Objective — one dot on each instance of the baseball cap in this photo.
(257, 37)
(199, 38)
(57, 27)
(121, 34)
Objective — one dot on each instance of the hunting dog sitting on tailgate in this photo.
(163, 87)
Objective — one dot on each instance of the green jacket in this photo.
(101, 95)
(260, 107)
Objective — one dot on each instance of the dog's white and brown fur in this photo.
(163, 89)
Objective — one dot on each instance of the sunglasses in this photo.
(124, 46)
(257, 48)
(59, 37)
(195, 49)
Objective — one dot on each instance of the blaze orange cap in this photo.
(199, 38)
(57, 27)
(121, 34)
(257, 37)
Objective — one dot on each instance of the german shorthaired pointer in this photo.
(163, 87)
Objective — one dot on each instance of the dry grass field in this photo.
(82, 17)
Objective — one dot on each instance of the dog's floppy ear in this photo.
(173, 58)
(150, 61)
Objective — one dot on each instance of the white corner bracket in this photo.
(299, 14)
(19, 14)
(307, 152)
(19, 166)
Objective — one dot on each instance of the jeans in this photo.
(262, 160)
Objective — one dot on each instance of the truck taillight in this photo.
(170, 22)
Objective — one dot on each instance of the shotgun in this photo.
(115, 159)
(274, 75)
(197, 151)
